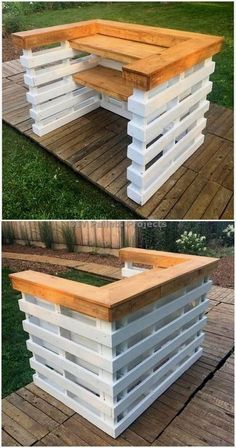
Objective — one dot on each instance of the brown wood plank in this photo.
(84, 432)
(151, 71)
(7, 440)
(105, 80)
(120, 441)
(121, 50)
(186, 200)
(24, 420)
(174, 195)
(62, 437)
(31, 410)
(49, 35)
(50, 399)
(21, 435)
(203, 200)
(218, 203)
(42, 405)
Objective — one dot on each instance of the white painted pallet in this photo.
(166, 123)
(56, 99)
(111, 372)
(166, 129)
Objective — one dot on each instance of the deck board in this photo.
(94, 146)
(196, 410)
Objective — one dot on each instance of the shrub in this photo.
(46, 233)
(228, 235)
(13, 23)
(191, 243)
(8, 236)
(69, 237)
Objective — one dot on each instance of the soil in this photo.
(223, 276)
(9, 51)
(108, 260)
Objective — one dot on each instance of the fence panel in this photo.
(92, 234)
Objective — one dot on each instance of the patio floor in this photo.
(197, 410)
(95, 147)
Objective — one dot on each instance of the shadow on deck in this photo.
(196, 410)
(95, 146)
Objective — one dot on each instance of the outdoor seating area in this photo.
(118, 347)
(95, 147)
(118, 231)
(156, 78)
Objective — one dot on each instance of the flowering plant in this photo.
(191, 243)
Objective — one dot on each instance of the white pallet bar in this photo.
(56, 99)
(108, 352)
(166, 128)
(110, 372)
(161, 91)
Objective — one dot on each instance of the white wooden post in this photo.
(166, 128)
(111, 372)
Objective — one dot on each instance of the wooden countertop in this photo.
(150, 55)
(110, 302)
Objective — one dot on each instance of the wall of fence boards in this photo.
(89, 234)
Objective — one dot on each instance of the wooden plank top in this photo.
(153, 54)
(121, 50)
(113, 301)
(105, 80)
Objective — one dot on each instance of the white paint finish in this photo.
(142, 197)
(154, 394)
(111, 372)
(129, 272)
(166, 129)
(46, 93)
(67, 117)
(165, 124)
(81, 392)
(116, 106)
(54, 72)
(46, 56)
(86, 376)
(149, 105)
(69, 346)
(73, 405)
(146, 178)
(155, 316)
(155, 127)
(150, 152)
(67, 323)
(63, 102)
(56, 99)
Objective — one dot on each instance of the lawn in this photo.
(37, 186)
(16, 371)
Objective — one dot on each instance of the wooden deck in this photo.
(95, 147)
(196, 410)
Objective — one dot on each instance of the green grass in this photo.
(16, 371)
(36, 186)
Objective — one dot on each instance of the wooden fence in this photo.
(89, 235)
